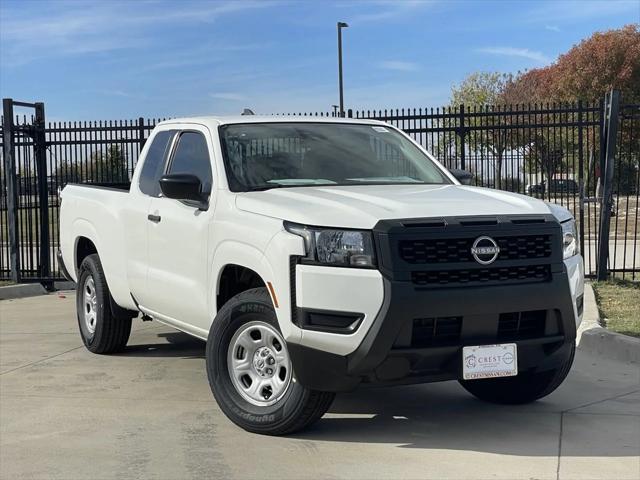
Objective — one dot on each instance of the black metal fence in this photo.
(556, 152)
(74, 152)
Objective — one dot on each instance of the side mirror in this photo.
(185, 187)
(462, 176)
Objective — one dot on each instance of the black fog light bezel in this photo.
(329, 321)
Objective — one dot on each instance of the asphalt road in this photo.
(148, 413)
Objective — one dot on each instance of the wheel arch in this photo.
(86, 241)
(84, 247)
(234, 260)
(234, 279)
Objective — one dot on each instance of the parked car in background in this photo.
(535, 188)
(555, 186)
(563, 186)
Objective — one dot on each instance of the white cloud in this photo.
(393, 9)
(230, 96)
(552, 28)
(60, 29)
(398, 65)
(516, 52)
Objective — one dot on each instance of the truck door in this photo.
(178, 238)
(144, 188)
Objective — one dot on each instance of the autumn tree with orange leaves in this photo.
(605, 61)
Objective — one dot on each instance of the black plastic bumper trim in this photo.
(377, 361)
(344, 323)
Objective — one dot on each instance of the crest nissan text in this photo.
(318, 255)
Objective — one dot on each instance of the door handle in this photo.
(154, 218)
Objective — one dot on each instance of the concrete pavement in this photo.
(148, 413)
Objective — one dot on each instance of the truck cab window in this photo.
(154, 163)
(192, 156)
(293, 154)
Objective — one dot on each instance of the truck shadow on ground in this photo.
(175, 345)
(444, 416)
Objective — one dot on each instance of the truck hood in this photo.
(361, 206)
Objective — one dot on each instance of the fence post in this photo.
(581, 175)
(40, 154)
(611, 133)
(141, 138)
(12, 188)
(462, 132)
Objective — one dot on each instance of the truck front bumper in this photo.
(418, 334)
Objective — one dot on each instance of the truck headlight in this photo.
(570, 244)
(335, 247)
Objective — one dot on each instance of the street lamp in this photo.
(341, 25)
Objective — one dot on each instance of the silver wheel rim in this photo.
(90, 301)
(259, 364)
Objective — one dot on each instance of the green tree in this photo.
(109, 166)
(114, 164)
(480, 88)
(480, 92)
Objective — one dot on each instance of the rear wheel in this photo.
(250, 371)
(101, 331)
(523, 388)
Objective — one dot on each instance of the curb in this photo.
(25, 290)
(21, 290)
(592, 338)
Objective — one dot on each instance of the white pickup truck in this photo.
(318, 255)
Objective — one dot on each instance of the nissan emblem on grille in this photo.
(485, 250)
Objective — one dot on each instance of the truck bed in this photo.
(105, 185)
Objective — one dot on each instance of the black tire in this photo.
(523, 388)
(297, 408)
(110, 333)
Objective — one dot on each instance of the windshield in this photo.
(259, 156)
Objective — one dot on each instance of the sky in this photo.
(110, 59)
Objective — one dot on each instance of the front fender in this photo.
(248, 256)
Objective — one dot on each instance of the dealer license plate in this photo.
(490, 361)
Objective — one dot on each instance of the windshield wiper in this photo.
(261, 188)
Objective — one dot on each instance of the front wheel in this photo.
(250, 371)
(523, 388)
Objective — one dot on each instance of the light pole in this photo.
(341, 25)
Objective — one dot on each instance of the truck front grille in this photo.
(535, 273)
(457, 250)
(434, 332)
(521, 325)
(434, 253)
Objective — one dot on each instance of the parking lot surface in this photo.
(148, 413)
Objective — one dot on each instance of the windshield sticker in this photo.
(380, 129)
